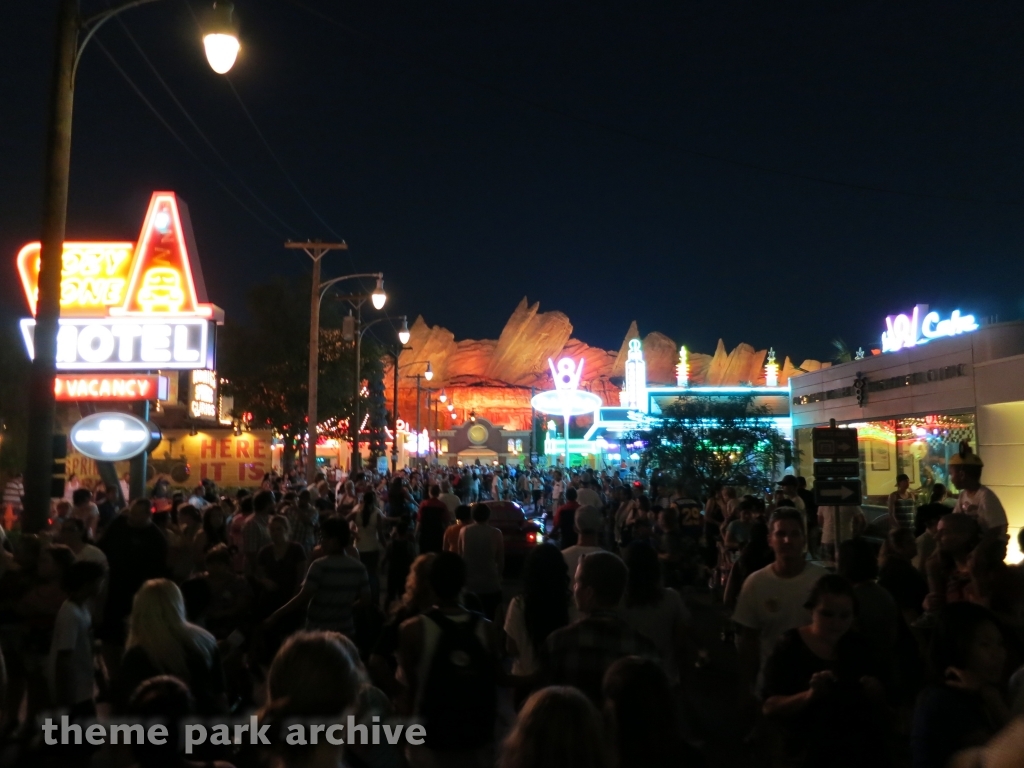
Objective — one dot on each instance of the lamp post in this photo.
(316, 250)
(378, 298)
(428, 375)
(403, 339)
(42, 408)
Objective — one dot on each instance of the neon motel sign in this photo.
(128, 306)
(921, 326)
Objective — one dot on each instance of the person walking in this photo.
(368, 519)
(483, 548)
(773, 599)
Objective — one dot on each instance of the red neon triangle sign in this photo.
(161, 281)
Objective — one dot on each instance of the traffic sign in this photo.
(826, 469)
(837, 493)
(833, 443)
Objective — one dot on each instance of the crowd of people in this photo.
(393, 599)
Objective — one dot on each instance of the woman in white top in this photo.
(544, 606)
(366, 521)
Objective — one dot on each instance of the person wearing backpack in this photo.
(449, 659)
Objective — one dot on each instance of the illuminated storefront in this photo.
(605, 443)
(939, 379)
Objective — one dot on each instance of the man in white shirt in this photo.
(589, 523)
(588, 497)
(975, 499)
(772, 599)
(448, 498)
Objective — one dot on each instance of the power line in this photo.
(277, 233)
(270, 151)
(199, 130)
(647, 140)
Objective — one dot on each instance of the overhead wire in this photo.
(184, 144)
(663, 145)
(181, 107)
(273, 155)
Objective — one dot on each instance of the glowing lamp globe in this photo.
(220, 37)
(403, 332)
(221, 52)
(378, 297)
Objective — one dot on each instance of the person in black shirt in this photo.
(822, 688)
(136, 552)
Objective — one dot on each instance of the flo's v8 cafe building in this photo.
(938, 378)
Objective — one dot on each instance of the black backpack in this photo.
(458, 703)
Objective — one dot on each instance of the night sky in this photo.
(775, 173)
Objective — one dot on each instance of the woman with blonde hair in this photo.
(558, 727)
(162, 642)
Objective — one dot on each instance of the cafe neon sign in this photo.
(921, 326)
(128, 306)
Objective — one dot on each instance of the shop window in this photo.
(519, 445)
(918, 446)
(444, 445)
(511, 445)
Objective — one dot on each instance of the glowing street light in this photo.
(220, 38)
(403, 332)
(443, 397)
(378, 297)
(429, 373)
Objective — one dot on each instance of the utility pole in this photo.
(316, 251)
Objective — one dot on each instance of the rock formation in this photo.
(528, 339)
(494, 377)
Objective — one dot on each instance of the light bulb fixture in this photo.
(403, 332)
(451, 408)
(443, 397)
(378, 297)
(472, 415)
(193, 431)
(429, 373)
(220, 37)
(454, 416)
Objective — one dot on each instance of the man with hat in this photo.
(975, 499)
(791, 490)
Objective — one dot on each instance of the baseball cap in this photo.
(787, 480)
(589, 519)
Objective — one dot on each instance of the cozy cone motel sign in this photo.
(129, 306)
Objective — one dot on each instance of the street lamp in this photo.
(316, 250)
(220, 38)
(378, 297)
(429, 373)
(443, 397)
(42, 409)
(403, 338)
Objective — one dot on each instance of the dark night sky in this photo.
(479, 152)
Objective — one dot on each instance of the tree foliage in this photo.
(703, 442)
(265, 358)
